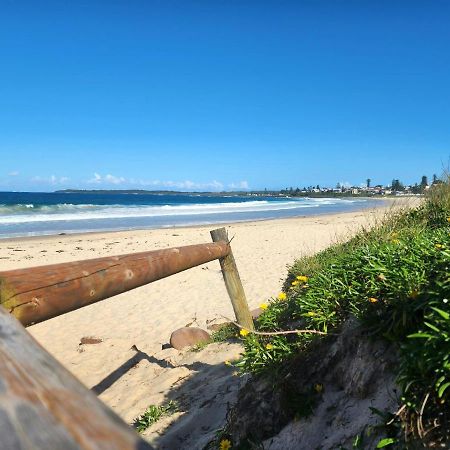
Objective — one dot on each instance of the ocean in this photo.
(34, 213)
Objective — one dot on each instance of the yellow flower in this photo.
(263, 306)
(282, 296)
(373, 300)
(243, 332)
(225, 444)
(294, 283)
(269, 347)
(395, 241)
(318, 388)
(310, 314)
(438, 246)
(227, 363)
(448, 219)
(302, 278)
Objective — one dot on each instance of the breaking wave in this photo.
(22, 213)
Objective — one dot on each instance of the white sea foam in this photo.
(20, 214)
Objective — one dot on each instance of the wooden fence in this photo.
(41, 404)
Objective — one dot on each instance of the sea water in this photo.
(34, 213)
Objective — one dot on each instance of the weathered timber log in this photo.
(233, 282)
(43, 406)
(36, 294)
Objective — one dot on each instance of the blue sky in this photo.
(211, 95)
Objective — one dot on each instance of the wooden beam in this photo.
(36, 294)
(233, 282)
(43, 406)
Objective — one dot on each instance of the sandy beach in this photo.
(129, 369)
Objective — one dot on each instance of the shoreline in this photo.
(169, 228)
(80, 225)
(389, 203)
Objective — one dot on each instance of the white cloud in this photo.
(239, 185)
(14, 173)
(185, 185)
(107, 179)
(97, 179)
(191, 185)
(216, 185)
(114, 180)
(52, 180)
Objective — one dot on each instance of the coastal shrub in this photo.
(436, 209)
(381, 282)
(424, 372)
(395, 279)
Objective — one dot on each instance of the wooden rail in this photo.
(39, 293)
(41, 404)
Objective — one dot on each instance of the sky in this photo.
(222, 95)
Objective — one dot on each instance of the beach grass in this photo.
(152, 414)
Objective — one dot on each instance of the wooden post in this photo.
(233, 282)
(43, 406)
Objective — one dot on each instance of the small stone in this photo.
(90, 340)
(188, 336)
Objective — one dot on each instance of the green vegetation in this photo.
(199, 347)
(152, 414)
(225, 333)
(395, 278)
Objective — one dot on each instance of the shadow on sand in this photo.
(202, 395)
(114, 376)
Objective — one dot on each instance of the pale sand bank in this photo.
(129, 381)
